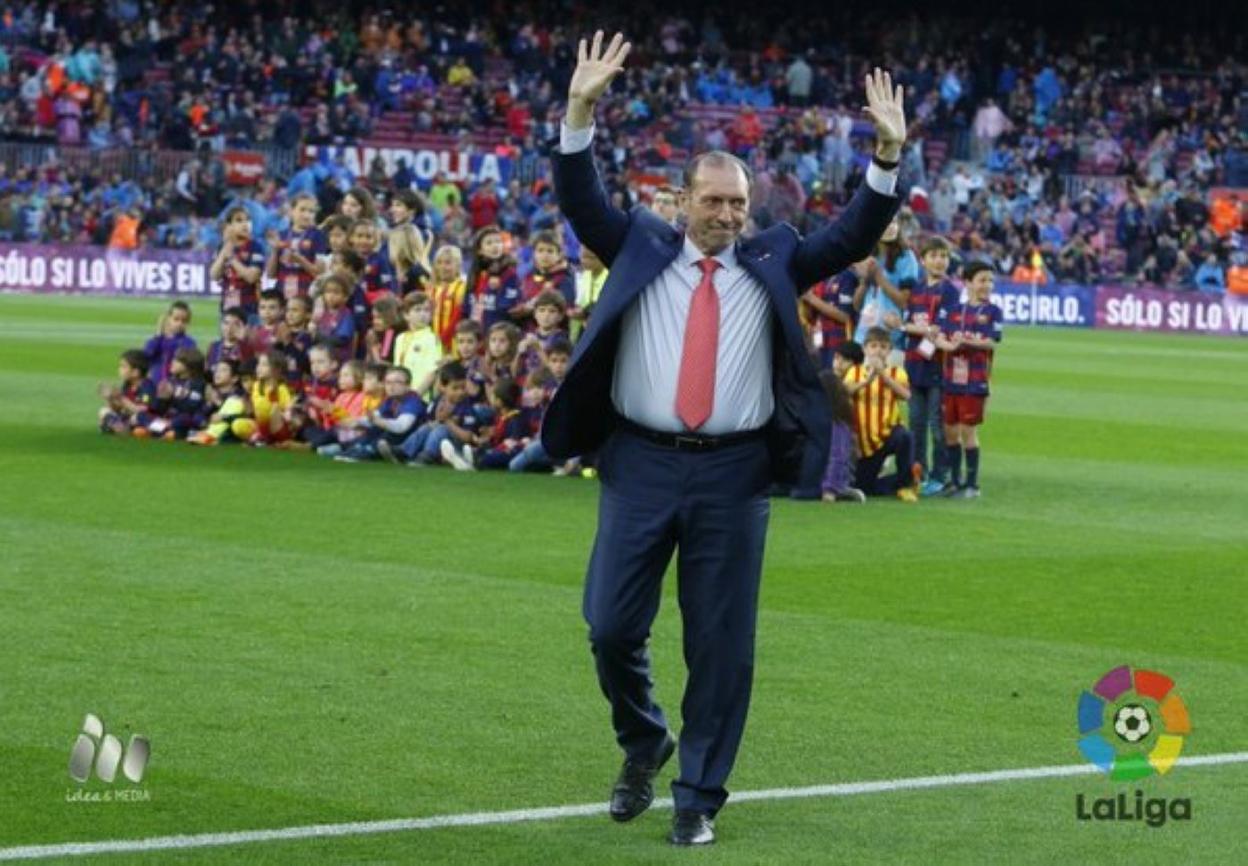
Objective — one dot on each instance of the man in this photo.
(690, 428)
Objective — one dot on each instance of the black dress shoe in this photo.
(634, 789)
(692, 828)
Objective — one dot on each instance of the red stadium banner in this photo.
(243, 168)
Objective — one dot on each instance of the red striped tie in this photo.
(695, 388)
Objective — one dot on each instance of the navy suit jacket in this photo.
(636, 246)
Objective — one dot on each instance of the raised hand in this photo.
(595, 68)
(886, 107)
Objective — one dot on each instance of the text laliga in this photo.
(1154, 811)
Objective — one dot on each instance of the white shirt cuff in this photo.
(574, 140)
(883, 182)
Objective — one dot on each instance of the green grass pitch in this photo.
(307, 642)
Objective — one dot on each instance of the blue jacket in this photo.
(636, 246)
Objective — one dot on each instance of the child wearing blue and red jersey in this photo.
(182, 399)
(548, 316)
(493, 285)
(335, 325)
(233, 344)
(377, 278)
(294, 340)
(311, 419)
(127, 407)
(542, 385)
(933, 292)
(969, 334)
(467, 351)
(161, 349)
(239, 263)
(550, 274)
(838, 471)
(226, 403)
(832, 303)
(272, 314)
(295, 260)
(495, 446)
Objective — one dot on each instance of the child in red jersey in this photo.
(969, 334)
(296, 259)
(239, 263)
(310, 420)
(336, 325)
(550, 274)
(493, 286)
(549, 309)
(272, 315)
(349, 410)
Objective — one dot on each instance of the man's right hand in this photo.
(595, 68)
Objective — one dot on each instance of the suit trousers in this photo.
(712, 507)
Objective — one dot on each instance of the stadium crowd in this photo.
(1071, 159)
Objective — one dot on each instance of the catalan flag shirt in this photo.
(966, 370)
(876, 410)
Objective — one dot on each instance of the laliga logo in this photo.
(1132, 725)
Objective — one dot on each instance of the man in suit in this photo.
(693, 386)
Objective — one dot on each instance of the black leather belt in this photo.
(688, 441)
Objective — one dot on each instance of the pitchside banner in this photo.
(1119, 307)
(1068, 306)
(40, 268)
(457, 165)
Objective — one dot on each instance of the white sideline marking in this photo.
(550, 813)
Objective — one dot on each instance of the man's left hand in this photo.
(886, 107)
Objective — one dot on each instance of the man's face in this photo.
(717, 205)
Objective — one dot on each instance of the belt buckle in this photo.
(692, 443)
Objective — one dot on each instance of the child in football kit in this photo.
(386, 324)
(128, 406)
(493, 286)
(181, 399)
(272, 314)
(171, 336)
(502, 346)
(467, 351)
(297, 258)
(347, 411)
(335, 326)
(932, 292)
(549, 310)
(271, 399)
(876, 389)
(239, 263)
(233, 344)
(550, 274)
(969, 334)
(311, 419)
(295, 340)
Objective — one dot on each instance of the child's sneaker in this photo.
(932, 487)
(387, 452)
(461, 460)
(140, 433)
(967, 493)
(202, 438)
(851, 494)
(907, 494)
